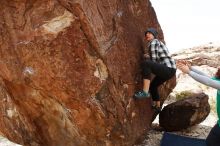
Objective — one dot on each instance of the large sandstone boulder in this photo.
(69, 70)
(185, 113)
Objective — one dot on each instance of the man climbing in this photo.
(158, 62)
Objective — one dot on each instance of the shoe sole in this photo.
(141, 97)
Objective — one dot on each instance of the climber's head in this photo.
(153, 31)
(150, 34)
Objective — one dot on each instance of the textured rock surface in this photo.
(69, 69)
(208, 54)
(185, 113)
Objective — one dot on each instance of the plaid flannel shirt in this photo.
(159, 53)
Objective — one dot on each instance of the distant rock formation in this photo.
(208, 54)
(185, 113)
(69, 70)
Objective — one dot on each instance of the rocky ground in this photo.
(154, 136)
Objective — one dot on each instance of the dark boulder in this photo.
(185, 113)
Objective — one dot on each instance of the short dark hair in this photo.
(217, 74)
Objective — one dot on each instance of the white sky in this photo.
(188, 23)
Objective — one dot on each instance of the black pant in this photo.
(213, 138)
(162, 73)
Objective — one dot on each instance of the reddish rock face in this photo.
(69, 70)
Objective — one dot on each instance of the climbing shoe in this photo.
(141, 95)
(157, 109)
(153, 106)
